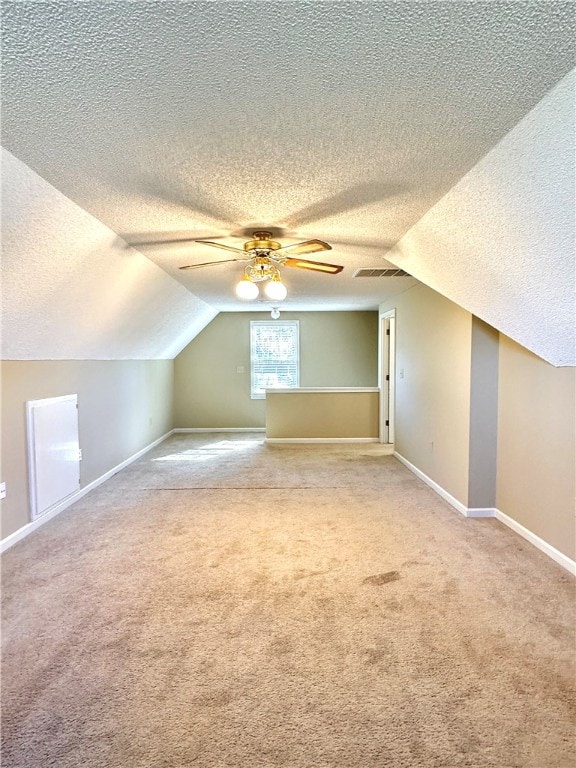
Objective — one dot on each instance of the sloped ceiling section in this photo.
(72, 289)
(501, 242)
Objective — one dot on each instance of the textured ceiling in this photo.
(72, 290)
(346, 121)
(501, 242)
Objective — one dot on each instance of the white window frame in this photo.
(260, 395)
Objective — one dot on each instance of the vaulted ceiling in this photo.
(345, 121)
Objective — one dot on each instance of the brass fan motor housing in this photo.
(261, 242)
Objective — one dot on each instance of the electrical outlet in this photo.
(401, 373)
(80, 454)
(239, 369)
(2, 490)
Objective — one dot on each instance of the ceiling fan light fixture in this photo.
(246, 289)
(263, 256)
(275, 289)
(261, 268)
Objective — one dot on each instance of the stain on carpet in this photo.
(382, 578)
(375, 655)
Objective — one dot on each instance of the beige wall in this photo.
(433, 372)
(322, 414)
(536, 445)
(502, 420)
(483, 415)
(123, 405)
(337, 349)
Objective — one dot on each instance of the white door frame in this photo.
(387, 373)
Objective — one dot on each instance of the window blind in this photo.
(274, 355)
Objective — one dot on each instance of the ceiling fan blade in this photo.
(309, 246)
(221, 245)
(210, 263)
(315, 266)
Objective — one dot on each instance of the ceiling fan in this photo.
(263, 256)
(263, 252)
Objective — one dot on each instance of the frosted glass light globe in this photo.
(246, 289)
(275, 290)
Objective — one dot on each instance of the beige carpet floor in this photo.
(223, 603)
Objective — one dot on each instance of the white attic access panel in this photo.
(53, 451)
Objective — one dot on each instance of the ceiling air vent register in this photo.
(394, 272)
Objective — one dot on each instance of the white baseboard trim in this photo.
(480, 512)
(322, 440)
(438, 488)
(27, 529)
(218, 429)
(543, 546)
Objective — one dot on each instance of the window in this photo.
(274, 359)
